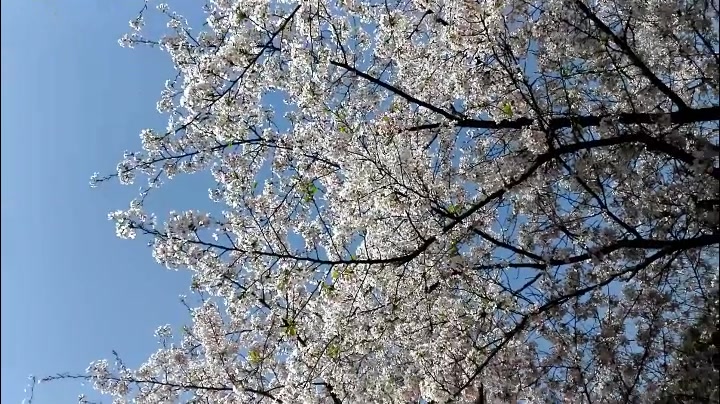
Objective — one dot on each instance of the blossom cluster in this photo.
(436, 200)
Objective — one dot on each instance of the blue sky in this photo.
(72, 102)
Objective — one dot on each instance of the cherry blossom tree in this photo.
(435, 201)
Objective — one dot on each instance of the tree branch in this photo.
(633, 57)
(584, 121)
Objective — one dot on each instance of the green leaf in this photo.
(327, 288)
(566, 69)
(454, 248)
(309, 191)
(254, 357)
(333, 351)
(290, 328)
(255, 184)
(335, 275)
(452, 209)
(507, 109)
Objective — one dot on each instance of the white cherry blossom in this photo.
(436, 201)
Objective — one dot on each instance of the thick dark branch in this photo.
(481, 395)
(405, 258)
(505, 245)
(331, 392)
(685, 116)
(675, 152)
(682, 117)
(584, 121)
(395, 90)
(642, 244)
